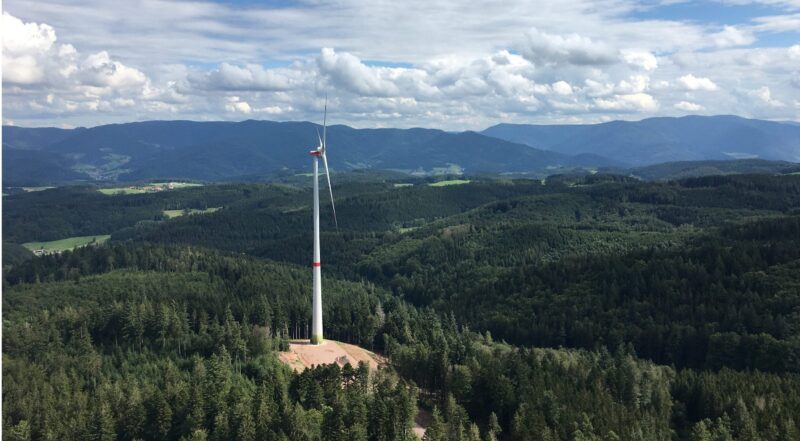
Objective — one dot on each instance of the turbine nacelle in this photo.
(319, 152)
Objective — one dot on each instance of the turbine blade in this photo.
(330, 189)
(325, 124)
(318, 137)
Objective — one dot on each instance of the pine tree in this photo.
(197, 435)
(161, 416)
(744, 426)
(701, 431)
(721, 430)
(435, 430)
(263, 411)
(221, 430)
(135, 415)
(20, 432)
(333, 422)
(493, 429)
(245, 426)
(102, 424)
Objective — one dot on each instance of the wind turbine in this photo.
(316, 306)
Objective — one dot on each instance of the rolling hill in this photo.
(223, 151)
(656, 140)
(231, 150)
(688, 169)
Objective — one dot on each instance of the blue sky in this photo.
(432, 63)
(704, 12)
(707, 12)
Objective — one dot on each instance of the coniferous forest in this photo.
(576, 308)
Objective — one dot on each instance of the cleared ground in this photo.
(302, 355)
(66, 244)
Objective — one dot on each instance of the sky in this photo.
(447, 64)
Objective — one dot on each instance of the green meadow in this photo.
(450, 182)
(147, 188)
(67, 244)
(178, 213)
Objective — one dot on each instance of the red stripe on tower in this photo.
(317, 264)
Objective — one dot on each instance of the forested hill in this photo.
(690, 169)
(228, 150)
(222, 151)
(580, 307)
(655, 140)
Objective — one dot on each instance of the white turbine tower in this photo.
(316, 308)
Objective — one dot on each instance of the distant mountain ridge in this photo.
(220, 151)
(663, 139)
(217, 151)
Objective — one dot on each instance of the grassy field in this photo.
(450, 182)
(147, 188)
(178, 213)
(120, 190)
(31, 189)
(66, 244)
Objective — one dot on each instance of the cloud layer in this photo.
(425, 64)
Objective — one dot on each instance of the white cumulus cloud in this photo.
(688, 106)
(25, 47)
(691, 82)
(562, 88)
(733, 36)
(100, 70)
(544, 48)
(246, 77)
(639, 102)
(348, 72)
(641, 59)
(462, 68)
(235, 104)
(633, 84)
(764, 94)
